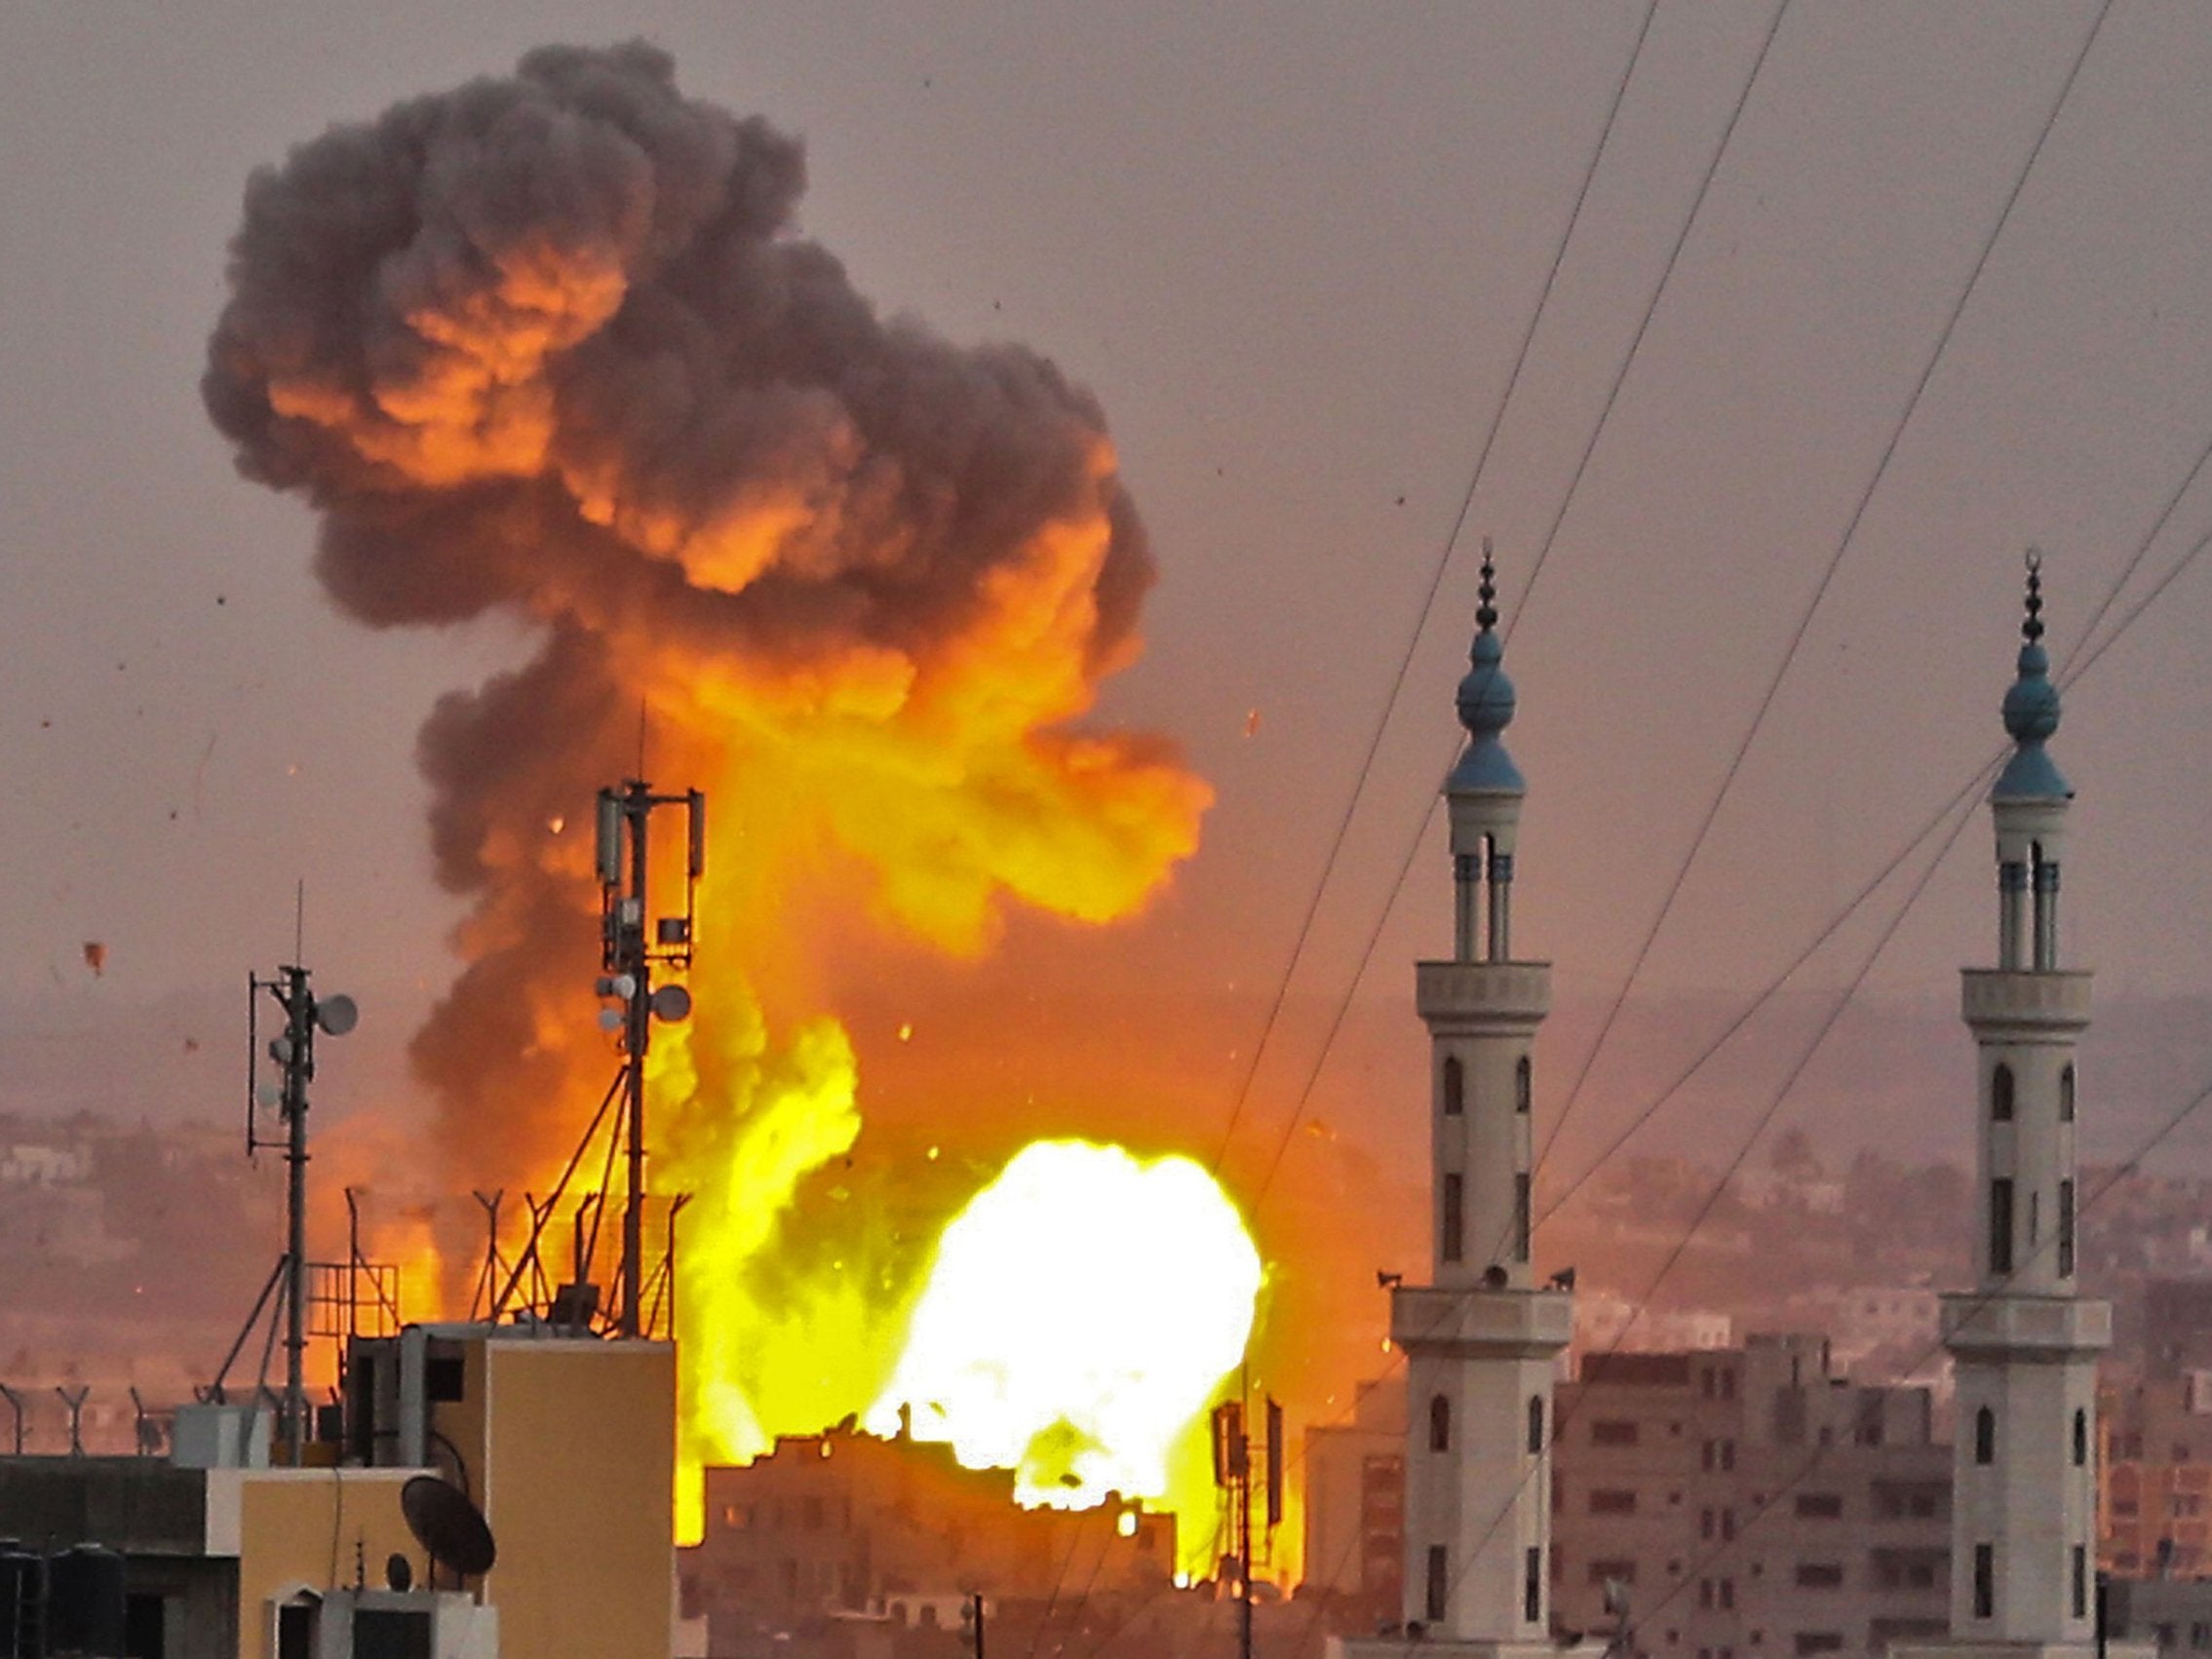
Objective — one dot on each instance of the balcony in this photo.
(1475, 997)
(2002, 1002)
(1426, 1318)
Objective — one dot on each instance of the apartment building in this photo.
(1752, 1503)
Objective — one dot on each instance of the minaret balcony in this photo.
(2028, 1005)
(1977, 1326)
(1474, 998)
(1479, 1324)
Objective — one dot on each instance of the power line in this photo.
(1428, 597)
(1605, 415)
(1820, 590)
(1651, 310)
(1974, 1308)
(2069, 677)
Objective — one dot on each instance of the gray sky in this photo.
(1293, 249)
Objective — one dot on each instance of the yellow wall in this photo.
(301, 1526)
(577, 1477)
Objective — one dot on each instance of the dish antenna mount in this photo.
(452, 1530)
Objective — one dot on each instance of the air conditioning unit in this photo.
(405, 1624)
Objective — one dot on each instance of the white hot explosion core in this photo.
(1076, 1319)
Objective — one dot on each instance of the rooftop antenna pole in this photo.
(295, 1054)
(633, 943)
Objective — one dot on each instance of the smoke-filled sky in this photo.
(1290, 251)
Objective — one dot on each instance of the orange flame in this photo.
(547, 345)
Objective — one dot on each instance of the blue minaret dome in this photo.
(1486, 704)
(2032, 709)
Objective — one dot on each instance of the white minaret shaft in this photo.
(1480, 1339)
(2026, 1342)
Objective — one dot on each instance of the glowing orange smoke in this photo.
(547, 346)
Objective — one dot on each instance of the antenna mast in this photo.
(630, 951)
(294, 1050)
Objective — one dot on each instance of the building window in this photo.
(1524, 1086)
(1533, 1585)
(2000, 1094)
(1728, 1593)
(1536, 1422)
(1727, 1384)
(1439, 1424)
(1727, 1525)
(1454, 1086)
(1704, 1523)
(2081, 1583)
(1985, 1581)
(1439, 1583)
(1727, 1454)
(2066, 1093)
(1705, 1593)
(1613, 1501)
(1820, 1575)
(2066, 1229)
(1452, 1218)
(2081, 1438)
(1820, 1506)
(2001, 1225)
(1521, 1216)
(1984, 1435)
(1818, 1641)
(1612, 1431)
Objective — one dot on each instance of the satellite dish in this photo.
(672, 1003)
(337, 1015)
(610, 1018)
(448, 1526)
(399, 1573)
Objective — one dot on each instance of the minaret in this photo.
(1480, 1339)
(2023, 1530)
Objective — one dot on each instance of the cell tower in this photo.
(629, 955)
(294, 1050)
(635, 942)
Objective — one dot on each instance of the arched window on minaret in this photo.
(1454, 1086)
(2081, 1438)
(2066, 1093)
(2000, 1094)
(1536, 1422)
(1439, 1423)
(1984, 1435)
(1524, 1086)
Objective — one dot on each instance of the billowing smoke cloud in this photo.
(547, 345)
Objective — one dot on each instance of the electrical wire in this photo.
(1974, 1304)
(1544, 546)
(2088, 656)
(1651, 310)
(1820, 590)
(1428, 597)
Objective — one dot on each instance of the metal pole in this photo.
(637, 809)
(299, 1068)
(1244, 1522)
(976, 1601)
